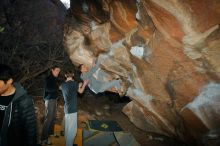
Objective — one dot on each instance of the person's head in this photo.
(55, 71)
(83, 68)
(6, 78)
(69, 74)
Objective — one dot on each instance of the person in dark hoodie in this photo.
(50, 99)
(18, 124)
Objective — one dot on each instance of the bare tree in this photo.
(32, 62)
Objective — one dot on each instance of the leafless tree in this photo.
(32, 62)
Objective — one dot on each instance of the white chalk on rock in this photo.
(137, 51)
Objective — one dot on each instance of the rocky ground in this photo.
(104, 107)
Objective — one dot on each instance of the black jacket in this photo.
(51, 88)
(19, 125)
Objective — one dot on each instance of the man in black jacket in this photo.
(50, 98)
(17, 114)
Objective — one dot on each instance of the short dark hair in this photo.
(55, 66)
(6, 72)
(69, 73)
(52, 68)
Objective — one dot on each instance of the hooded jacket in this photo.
(19, 124)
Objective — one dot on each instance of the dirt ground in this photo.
(104, 107)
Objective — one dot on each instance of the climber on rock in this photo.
(96, 82)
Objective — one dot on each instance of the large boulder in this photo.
(168, 51)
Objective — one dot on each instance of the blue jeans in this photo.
(50, 117)
(70, 128)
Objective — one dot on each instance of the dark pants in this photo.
(50, 117)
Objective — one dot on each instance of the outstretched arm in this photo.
(93, 69)
(82, 86)
(88, 75)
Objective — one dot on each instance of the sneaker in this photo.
(121, 94)
(62, 133)
(46, 142)
(124, 88)
(55, 135)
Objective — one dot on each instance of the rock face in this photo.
(169, 52)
